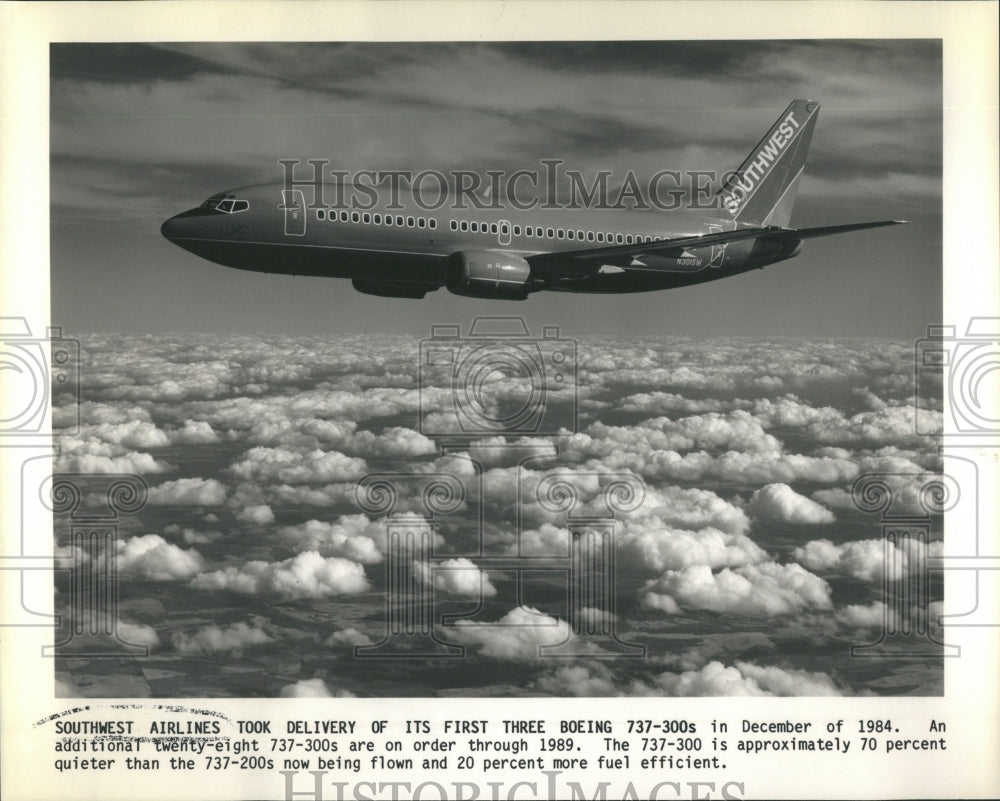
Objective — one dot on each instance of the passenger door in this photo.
(294, 204)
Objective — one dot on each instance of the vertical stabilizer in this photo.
(762, 191)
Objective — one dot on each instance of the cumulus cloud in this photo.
(741, 679)
(138, 633)
(761, 589)
(192, 536)
(457, 577)
(188, 492)
(780, 502)
(259, 515)
(153, 557)
(350, 636)
(313, 688)
(354, 537)
(712, 679)
(862, 616)
(234, 639)
(594, 680)
(653, 547)
(866, 559)
(93, 456)
(519, 635)
(295, 467)
(307, 575)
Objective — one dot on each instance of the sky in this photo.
(140, 132)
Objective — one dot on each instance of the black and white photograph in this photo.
(459, 406)
(658, 338)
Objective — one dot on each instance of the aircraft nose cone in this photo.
(171, 229)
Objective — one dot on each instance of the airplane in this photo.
(509, 254)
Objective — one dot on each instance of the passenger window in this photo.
(493, 228)
(517, 230)
(409, 222)
(570, 234)
(620, 238)
(590, 236)
(579, 235)
(432, 223)
(343, 216)
(355, 217)
(367, 218)
(465, 225)
(378, 219)
(454, 225)
(600, 236)
(550, 233)
(421, 222)
(320, 214)
(628, 239)
(559, 233)
(399, 220)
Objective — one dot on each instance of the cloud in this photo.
(763, 589)
(234, 639)
(742, 679)
(592, 680)
(865, 559)
(354, 537)
(138, 633)
(863, 617)
(260, 515)
(712, 679)
(294, 467)
(780, 502)
(457, 577)
(350, 636)
(307, 575)
(188, 492)
(313, 688)
(127, 462)
(517, 636)
(153, 557)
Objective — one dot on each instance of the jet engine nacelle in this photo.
(485, 274)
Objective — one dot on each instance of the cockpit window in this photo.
(228, 204)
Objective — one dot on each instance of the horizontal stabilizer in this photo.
(829, 230)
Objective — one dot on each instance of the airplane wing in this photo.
(588, 260)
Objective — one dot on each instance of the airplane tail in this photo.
(762, 191)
